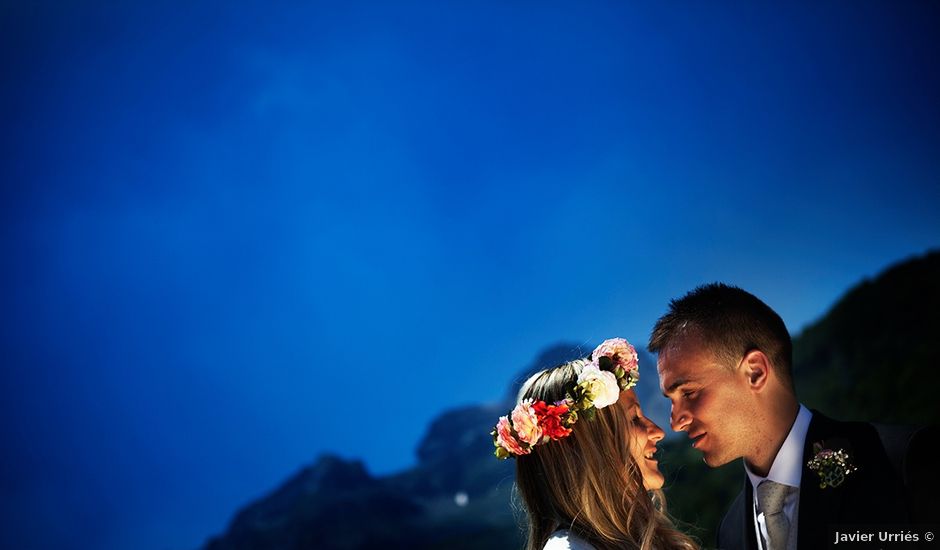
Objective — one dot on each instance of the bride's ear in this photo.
(756, 367)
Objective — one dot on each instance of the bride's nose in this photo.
(655, 432)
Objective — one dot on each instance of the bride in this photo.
(584, 457)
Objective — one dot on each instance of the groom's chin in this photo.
(713, 461)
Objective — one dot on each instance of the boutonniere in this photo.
(832, 466)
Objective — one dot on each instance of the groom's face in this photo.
(710, 400)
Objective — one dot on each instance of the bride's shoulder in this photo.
(564, 539)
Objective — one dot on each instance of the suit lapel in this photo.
(750, 535)
(736, 531)
(818, 508)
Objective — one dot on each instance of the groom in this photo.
(725, 364)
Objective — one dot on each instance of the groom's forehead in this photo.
(689, 352)
(680, 366)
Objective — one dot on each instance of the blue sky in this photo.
(238, 236)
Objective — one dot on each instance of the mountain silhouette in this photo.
(875, 354)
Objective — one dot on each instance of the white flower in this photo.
(601, 386)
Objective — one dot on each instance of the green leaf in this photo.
(571, 418)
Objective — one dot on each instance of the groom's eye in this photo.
(688, 393)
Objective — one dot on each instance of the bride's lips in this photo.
(697, 440)
(650, 454)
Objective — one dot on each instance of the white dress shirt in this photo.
(787, 469)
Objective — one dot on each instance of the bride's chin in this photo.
(653, 482)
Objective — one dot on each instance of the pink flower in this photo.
(526, 423)
(620, 352)
(506, 440)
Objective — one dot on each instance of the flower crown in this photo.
(612, 368)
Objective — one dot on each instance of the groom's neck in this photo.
(776, 423)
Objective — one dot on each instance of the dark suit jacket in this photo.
(874, 494)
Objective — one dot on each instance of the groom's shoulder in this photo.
(906, 445)
(910, 452)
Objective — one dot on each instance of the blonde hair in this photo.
(589, 482)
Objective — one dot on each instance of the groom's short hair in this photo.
(732, 322)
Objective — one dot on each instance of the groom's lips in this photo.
(696, 440)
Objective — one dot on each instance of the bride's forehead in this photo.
(628, 399)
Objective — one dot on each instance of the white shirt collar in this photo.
(787, 467)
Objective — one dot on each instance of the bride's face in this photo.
(645, 435)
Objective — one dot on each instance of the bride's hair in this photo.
(589, 482)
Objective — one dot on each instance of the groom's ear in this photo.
(756, 368)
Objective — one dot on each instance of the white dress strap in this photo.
(563, 539)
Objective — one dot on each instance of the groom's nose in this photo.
(679, 420)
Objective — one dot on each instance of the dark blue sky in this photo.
(237, 236)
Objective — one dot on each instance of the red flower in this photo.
(550, 419)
